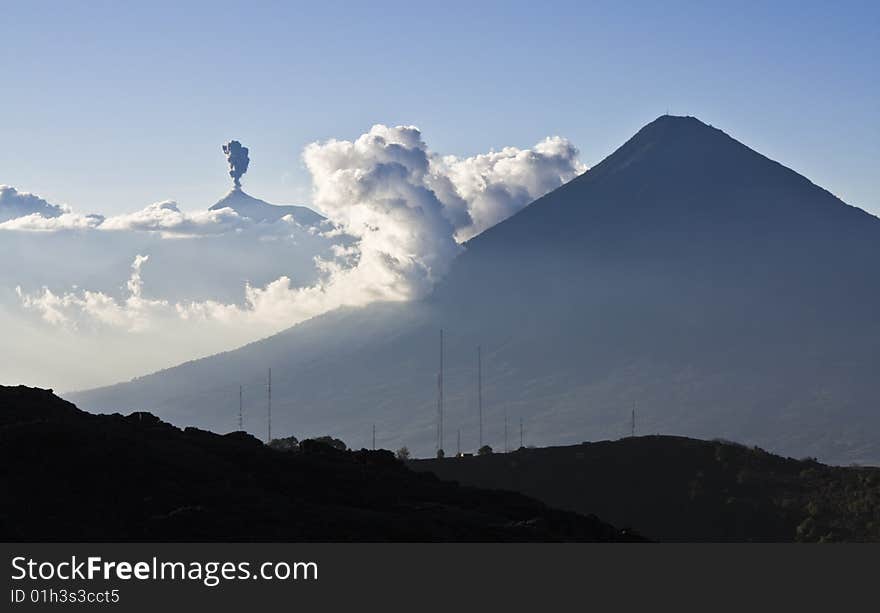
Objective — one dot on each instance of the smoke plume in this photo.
(237, 157)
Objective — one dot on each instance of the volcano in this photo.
(259, 210)
(685, 285)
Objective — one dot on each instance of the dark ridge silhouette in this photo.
(681, 489)
(67, 475)
(721, 293)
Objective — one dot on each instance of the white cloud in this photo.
(375, 190)
(35, 222)
(165, 219)
(493, 186)
(168, 220)
(409, 208)
(14, 203)
(134, 313)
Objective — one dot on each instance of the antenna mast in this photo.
(633, 425)
(480, 389)
(269, 410)
(440, 397)
(506, 448)
(240, 419)
(520, 433)
(374, 437)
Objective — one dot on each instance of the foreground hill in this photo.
(66, 475)
(721, 293)
(680, 489)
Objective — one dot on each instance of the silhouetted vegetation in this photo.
(328, 440)
(284, 444)
(680, 489)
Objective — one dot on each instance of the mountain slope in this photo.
(714, 290)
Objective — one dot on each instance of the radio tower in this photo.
(440, 398)
(269, 410)
(374, 437)
(520, 433)
(240, 419)
(480, 389)
(632, 431)
(505, 431)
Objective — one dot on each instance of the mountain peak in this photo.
(259, 210)
(679, 123)
(677, 120)
(687, 135)
(676, 178)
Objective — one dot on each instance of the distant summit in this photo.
(261, 211)
(677, 185)
(238, 158)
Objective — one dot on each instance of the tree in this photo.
(485, 450)
(403, 454)
(284, 444)
(332, 442)
(441, 454)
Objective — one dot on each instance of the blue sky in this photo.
(108, 106)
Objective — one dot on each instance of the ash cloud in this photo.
(237, 157)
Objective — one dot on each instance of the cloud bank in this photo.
(14, 204)
(134, 313)
(167, 219)
(36, 222)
